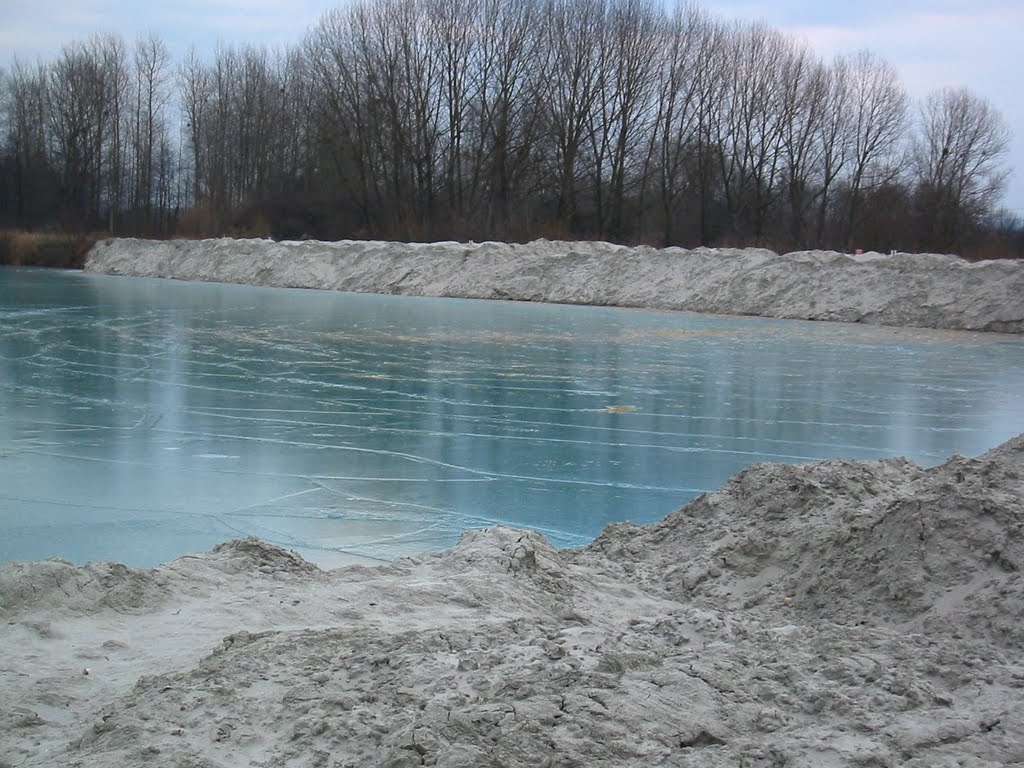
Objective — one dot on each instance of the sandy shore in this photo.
(918, 290)
(832, 614)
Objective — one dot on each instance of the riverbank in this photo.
(916, 290)
(839, 613)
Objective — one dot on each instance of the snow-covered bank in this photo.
(928, 291)
(841, 613)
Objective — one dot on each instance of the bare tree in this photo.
(118, 67)
(877, 124)
(574, 29)
(835, 141)
(83, 117)
(34, 186)
(454, 41)
(338, 58)
(958, 155)
(510, 68)
(685, 59)
(194, 96)
(149, 128)
(749, 126)
(636, 31)
(420, 81)
(805, 90)
(296, 165)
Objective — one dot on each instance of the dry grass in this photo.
(33, 249)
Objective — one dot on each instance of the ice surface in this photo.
(143, 419)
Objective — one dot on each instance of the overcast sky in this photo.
(932, 43)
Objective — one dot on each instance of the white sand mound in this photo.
(840, 614)
(922, 290)
(881, 543)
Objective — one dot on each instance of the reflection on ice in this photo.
(141, 419)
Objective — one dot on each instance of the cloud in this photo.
(34, 29)
(27, 43)
(930, 48)
(236, 17)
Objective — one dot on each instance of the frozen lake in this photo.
(143, 419)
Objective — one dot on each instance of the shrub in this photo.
(33, 249)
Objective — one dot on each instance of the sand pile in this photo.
(881, 543)
(921, 290)
(840, 613)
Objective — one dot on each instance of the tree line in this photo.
(505, 119)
